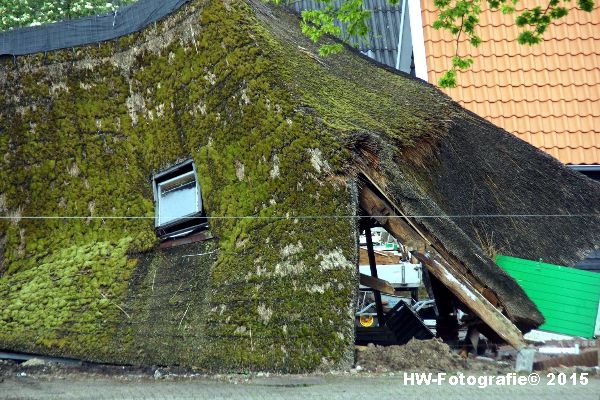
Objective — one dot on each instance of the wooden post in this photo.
(404, 230)
(446, 318)
(373, 266)
(427, 284)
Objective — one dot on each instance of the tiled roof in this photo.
(547, 94)
(384, 27)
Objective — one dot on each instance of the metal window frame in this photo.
(170, 229)
(160, 198)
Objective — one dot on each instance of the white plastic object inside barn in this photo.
(178, 201)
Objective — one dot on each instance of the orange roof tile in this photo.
(547, 94)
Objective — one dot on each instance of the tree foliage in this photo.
(458, 17)
(20, 13)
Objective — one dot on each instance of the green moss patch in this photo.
(69, 300)
(88, 127)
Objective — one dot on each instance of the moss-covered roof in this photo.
(279, 137)
(493, 193)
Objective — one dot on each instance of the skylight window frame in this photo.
(184, 224)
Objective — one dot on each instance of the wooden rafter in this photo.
(377, 284)
(446, 269)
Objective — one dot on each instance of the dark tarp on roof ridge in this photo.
(87, 30)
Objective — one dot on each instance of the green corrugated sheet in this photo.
(567, 297)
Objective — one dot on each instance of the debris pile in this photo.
(420, 355)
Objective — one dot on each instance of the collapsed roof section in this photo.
(470, 188)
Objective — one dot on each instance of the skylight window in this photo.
(178, 201)
(178, 198)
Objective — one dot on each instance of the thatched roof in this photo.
(477, 188)
(281, 138)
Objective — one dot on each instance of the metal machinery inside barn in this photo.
(392, 326)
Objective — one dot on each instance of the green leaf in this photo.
(528, 37)
(448, 79)
(475, 41)
(507, 9)
(462, 63)
(586, 5)
(327, 49)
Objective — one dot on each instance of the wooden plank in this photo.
(377, 284)
(451, 275)
(389, 201)
(373, 205)
(474, 300)
(381, 258)
(197, 237)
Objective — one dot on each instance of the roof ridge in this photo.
(491, 85)
(541, 69)
(517, 132)
(512, 25)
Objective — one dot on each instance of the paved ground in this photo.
(325, 387)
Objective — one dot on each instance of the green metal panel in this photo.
(568, 298)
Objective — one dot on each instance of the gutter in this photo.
(584, 167)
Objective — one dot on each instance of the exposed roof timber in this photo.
(471, 298)
(401, 227)
(386, 209)
(448, 272)
(376, 283)
(416, 235)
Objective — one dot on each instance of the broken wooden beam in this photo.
(474, 300)
(382, 213)
(376, 284)
(381, 257)
(451, 275)
(401, 226)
